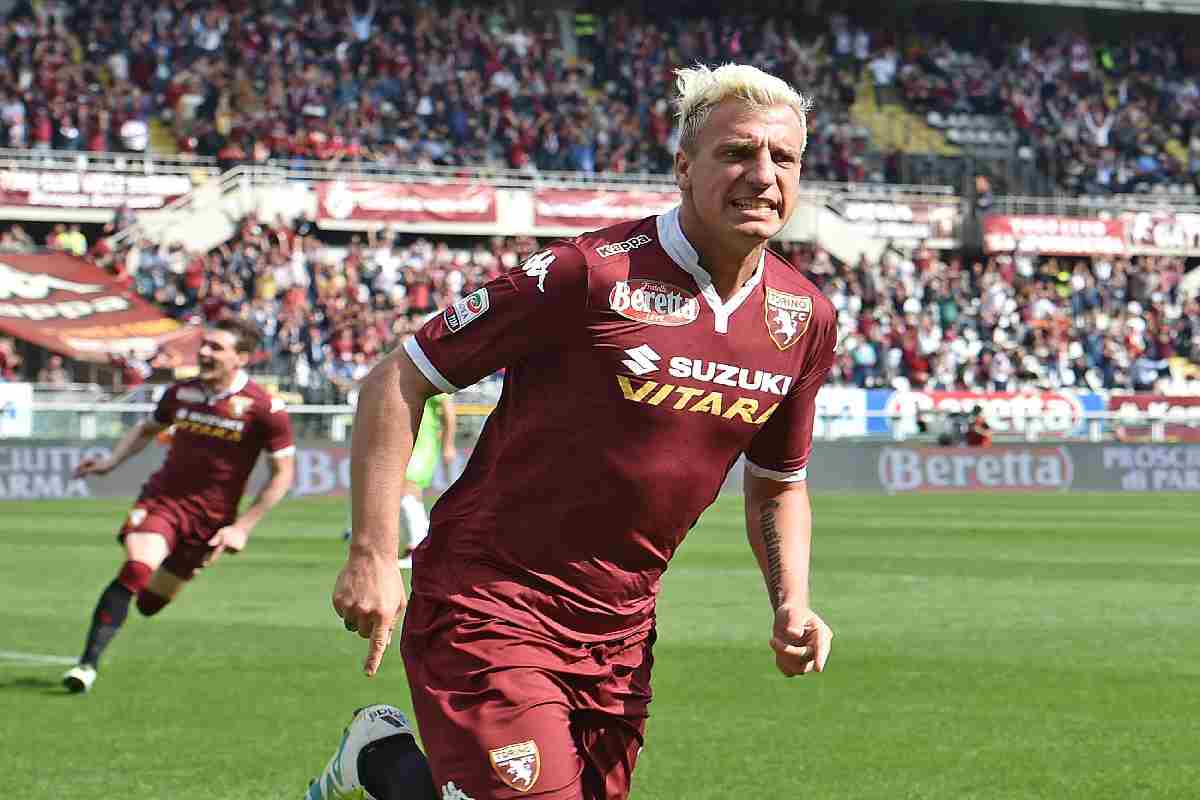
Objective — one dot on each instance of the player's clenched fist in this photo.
(801, 641)
(93, 466)
(369, 597)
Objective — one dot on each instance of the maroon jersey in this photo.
(217, 439)
(631, 389)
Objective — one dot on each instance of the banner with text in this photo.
(1053, 414)
(936, 224)
(588, 209)
(363, 201)
(71, 306)
(1052, 235)
(84, 190)
(35, 470)
(1181, 415)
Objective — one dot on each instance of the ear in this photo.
(243, 358)
(682, 166)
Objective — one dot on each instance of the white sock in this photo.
(414, 519)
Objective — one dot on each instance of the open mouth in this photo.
(753, 204)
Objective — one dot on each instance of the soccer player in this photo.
(434, 443)
(187, 513)
(643, 361)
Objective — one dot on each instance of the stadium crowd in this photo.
(380, 81)
(1101, 117)
(921, 318)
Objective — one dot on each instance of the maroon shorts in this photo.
(186, 533)
(506, 713)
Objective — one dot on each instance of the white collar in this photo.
(681, 251)
(239, 382)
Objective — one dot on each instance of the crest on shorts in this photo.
(787, 317)
(136, 517)
(518, 765)
(240, 404)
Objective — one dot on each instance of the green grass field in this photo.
(987, 647)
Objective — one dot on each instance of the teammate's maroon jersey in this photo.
(217, 439)
(631, 390)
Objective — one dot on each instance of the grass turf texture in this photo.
(987, 647)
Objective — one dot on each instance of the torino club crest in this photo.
(518, 765)
(787, 317)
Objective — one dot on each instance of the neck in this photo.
(730, 263)
(221, 385)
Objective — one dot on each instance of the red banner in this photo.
(1181, 414)
(902, 221)
(341, 201)
(85, 190)
(1052, 235)
(73, 307)
(587, 209)
(1162, 233)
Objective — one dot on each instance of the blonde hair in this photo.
(702, 89)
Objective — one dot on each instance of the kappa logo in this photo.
(788, 316)
(452, 792)
(642, 360)
(239, 405)
(518, 765)
(467, 310)
(627, 246)
(538, 266)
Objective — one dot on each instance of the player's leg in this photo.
(610, 747)
(144, 551)
(378, 754)
(609, 730)
(494, 723)
(175, 572)
(417, 478)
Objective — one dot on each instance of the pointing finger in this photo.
(380, 638)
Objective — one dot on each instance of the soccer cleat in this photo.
(340, 779)
(79, 678)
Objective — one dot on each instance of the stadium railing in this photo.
(333, 423)
(87, 161)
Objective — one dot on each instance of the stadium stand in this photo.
(337, 85)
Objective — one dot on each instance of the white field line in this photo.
(35, 658)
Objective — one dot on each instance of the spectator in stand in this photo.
(54, 373)
(10, 360)
(131, 369)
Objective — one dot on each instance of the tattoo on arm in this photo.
(770, 537)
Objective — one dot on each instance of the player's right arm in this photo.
(369, 594)
(531, 308)
(131, 443)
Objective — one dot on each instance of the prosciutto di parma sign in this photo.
(365, 201)
(84, 190)
(589, 209)
(73, 307)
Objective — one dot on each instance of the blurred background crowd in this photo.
(417, 84)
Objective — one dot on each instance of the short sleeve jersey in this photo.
(217, 439)
(630, 389)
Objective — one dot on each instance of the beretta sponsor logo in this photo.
(943, 469)
(654, 302)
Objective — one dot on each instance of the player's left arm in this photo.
(779, 527)
(449, 428)
(281, 460)
(779, 513)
